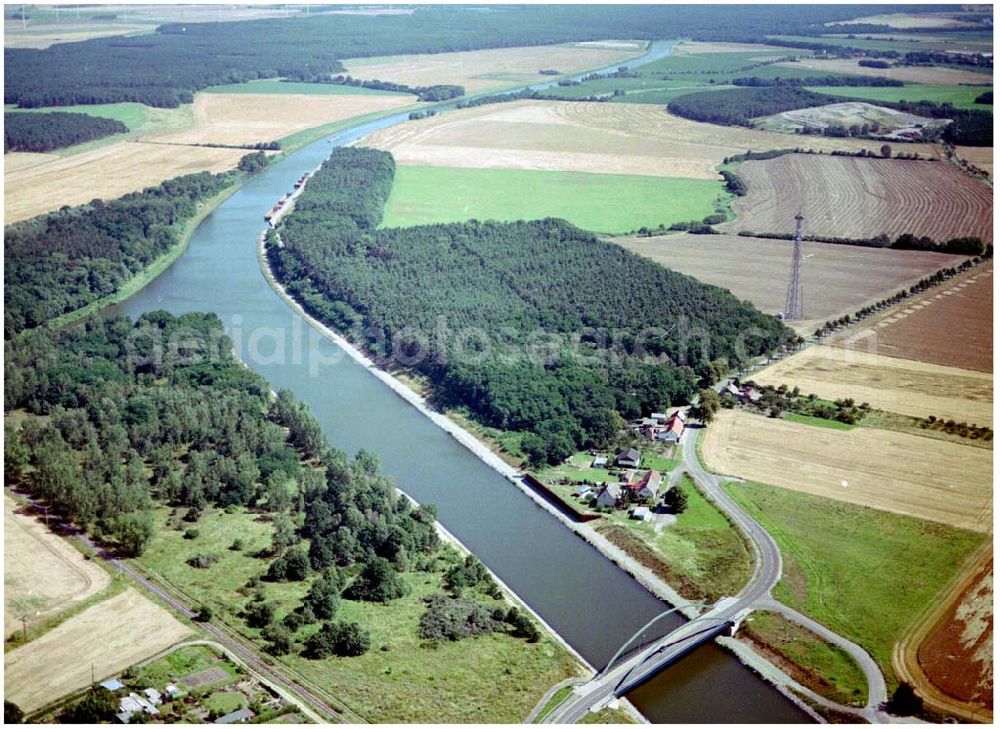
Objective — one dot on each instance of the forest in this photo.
(533, 327)
(91, 250)
(161, 412)
(26, 132)
(737, 107)
(165, 68)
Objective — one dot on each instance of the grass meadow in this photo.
(275, 86)
(959, 96)
(494, 678)
(865, 574)
(597, 202)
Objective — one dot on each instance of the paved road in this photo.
(755, 595)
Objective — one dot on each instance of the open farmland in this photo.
(109, 636)
(30, 550)
(961, 97)
(38, 183)
(906, 74)
(948, 325)
(898, 472)
(837, 279)
(954, 658)
(849, 197)
(603, 203)
(242, 118)
(909, 20)
(887, 383)
(979, 156)
(493, 68)
(637, 139)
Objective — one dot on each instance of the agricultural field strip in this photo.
(30, 550)
(109, 636)
(849, 197)
(588, 137)
(836, 279)
(898, 472)
(950, 325)
(906, 74)
(488, 69)
(887, 383)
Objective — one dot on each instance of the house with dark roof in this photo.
(628, 458)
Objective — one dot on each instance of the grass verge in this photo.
(557, 698)
(818, 422)
(865, 574)
(806, 657)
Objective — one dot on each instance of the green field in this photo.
(865, 574)
(493, 678)
(818, 422)
(832, 672)
(602, 203)
(274, 86)
(961, 97)
(901, 42)
(225, 702)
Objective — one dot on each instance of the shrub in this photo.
(448, 618)
(202, 561)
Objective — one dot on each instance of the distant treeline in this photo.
(515, 295)
(906, 242)
(985, 98)
(165, 68)
(32, 132)
(818, 81)
(738, 107)
(438, 92)
(59, 262)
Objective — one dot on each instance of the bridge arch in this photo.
(607, 667)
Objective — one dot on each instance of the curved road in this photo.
(755, 595)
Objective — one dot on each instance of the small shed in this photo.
(599, 462)
(642, 513)
(113, 684)
(628, 458)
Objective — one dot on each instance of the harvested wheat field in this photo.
(635, 139)
(251, 118)
(906, 74)
(836, 279)
(848, 197)
(697, 47)
(981, 157)
(908, 20)
(106, 172)
(950, 325)
(956, 657)
(887, 383)
(898, 472)
(30, 550)
(492, 68)
(111, 635)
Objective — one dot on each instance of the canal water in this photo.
(589, 601)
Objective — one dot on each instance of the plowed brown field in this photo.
(848, 197)
(907, 474)
(637, 139)
(887, 383)
(949, 325)
(836, 279)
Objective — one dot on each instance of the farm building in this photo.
(134, 704)
(628, 458)
(609, 495)
(236, 717)
(599, 462)
(112, 684)
(642, 513)
(673, 431)
(645, 488)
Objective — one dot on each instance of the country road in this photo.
(755, 595)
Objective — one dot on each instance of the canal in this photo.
(590, 602)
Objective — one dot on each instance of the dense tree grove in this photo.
(736, 107)
(906, 242)
(876, 81)
(165, 68)
(437, 92)
(536, 327)
(30, 132)
(90, 250)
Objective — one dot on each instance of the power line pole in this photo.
(793, 299)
